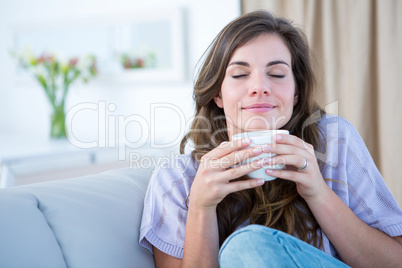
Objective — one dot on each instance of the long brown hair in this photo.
(277, 203)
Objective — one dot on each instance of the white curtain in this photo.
(357, 47)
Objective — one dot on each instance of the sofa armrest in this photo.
(92, 221)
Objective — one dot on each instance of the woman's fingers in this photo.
(293, 140)
(290, 150)
(292, 170)
(236, 186)
(230, 154)
(301, 165)
(241, 170)
(215, 175)
(289, 144)
(289, 160)
(226, 148)
(219, 167)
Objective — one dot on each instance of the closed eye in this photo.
(239, 75)
(277, 75)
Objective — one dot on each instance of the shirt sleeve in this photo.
(165, 212)
(357, 180)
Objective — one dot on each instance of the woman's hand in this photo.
(213, 180)
(293, 152)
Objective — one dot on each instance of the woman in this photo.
(328, 204)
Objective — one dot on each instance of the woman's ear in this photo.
(218, 100)
(296, 98)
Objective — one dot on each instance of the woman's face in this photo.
(258, 91)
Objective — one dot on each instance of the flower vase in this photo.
(56, 75)
(58, 123)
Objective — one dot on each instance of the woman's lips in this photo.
(259, 108)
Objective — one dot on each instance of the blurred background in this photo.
(137, 104)
(130, 114)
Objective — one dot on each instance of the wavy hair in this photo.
(277, 203)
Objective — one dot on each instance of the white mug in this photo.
(259, 138)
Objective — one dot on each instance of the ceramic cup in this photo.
(259, 138)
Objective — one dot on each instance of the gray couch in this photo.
(92, 221)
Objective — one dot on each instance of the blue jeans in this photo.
(260, 246)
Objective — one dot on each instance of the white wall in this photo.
(24, 110)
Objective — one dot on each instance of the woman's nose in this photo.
(260, 85)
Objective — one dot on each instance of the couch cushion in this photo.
(26, 240)
(91, 221)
